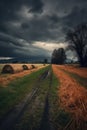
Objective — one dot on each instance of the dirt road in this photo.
(73, 98)
(14, 116)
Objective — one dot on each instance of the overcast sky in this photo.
(34, 28)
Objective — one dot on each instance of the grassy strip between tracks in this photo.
(59, 117)
(45, 105)
(81, 80)
(17, 90)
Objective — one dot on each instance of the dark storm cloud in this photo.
(25, 26)
(76, 17)
(24, 22)
(36, 6)
(37, 29)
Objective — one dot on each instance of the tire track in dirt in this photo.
(73, 98)
(45, 121)
(14, 116)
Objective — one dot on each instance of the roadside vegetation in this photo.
(59, 117)
(73, 98)
(81, 80)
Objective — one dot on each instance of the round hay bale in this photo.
(29, 66)
(12, 68)
(33, 66)
(25, 67)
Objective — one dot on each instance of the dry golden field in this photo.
(73, 96)
(75, 69)
(18, 72)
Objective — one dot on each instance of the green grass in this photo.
(81, 80)
(17, 90)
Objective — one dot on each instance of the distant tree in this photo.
(77, 39)
(58, 56)
(45, 61)
(15, 61)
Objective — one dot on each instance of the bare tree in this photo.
(77, 39)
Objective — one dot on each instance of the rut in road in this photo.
(14, 116)
(45, 122)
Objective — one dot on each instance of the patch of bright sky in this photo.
(49, 46)
(5, 58)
